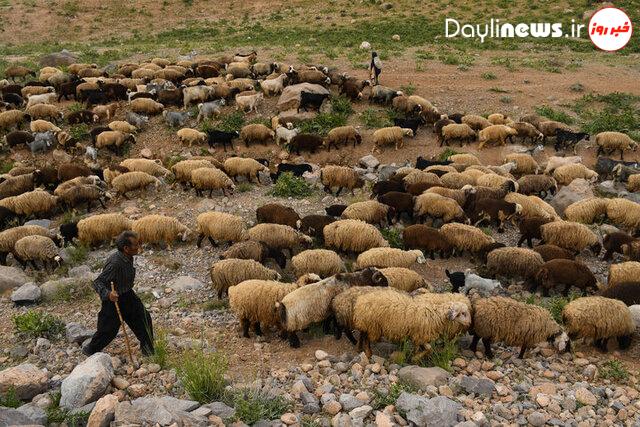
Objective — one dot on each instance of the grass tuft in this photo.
(243, 187)
(382, 400)
(393, 236)
(489, 76)
(552, 114)
(446, 154)
(79, 131)
(202, 375)
(9, 399)
(252, 406)
(374, 119)
(289, 185)
(161, 349)
(5, 166)
(443, 352)
(613, 370)
(231, 122)
(57, 415)
(38, 324)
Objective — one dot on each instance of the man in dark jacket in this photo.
(120, 271)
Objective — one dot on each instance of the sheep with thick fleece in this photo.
(191, 136)
(183, 169)
(587, 211)
(436, 206)
(344, 135)
(460, 132)
(427, 239)
(497, 119)
(389, 136)
(248, 103)
(9, 237)
(35, 202)
(113, 138)
(541, 185)
(599, 318)
(527, 130)
(457, 180)
(570, 235)
(13, 118)
(152, 167)
(239, 166)
(322, 262)
(341, 177)
(257, 251)
(495, 133)
(44, 98)
(549, 252)
(211, 179)
(36, 248)
(514, 323)
(122, 126)
(548, 128)
(158, 229)
(96, 229)
(253, 301)
(421, 177)
(459, 195)
(624, 213)
(278, 236)
(396, 316)
(312, 303)
(555, 162)
(494, 180)
(567, 173)
(389, 257)
(565, 272)
(230, 272)
(466, 159)
(342, 309)
(77, 181)
(475, 122)
(256, 133)
(130, 181)
(532, 206)
(221, 227)
(273, 87)
(44, 111)
(146, 106)
(514, 262)
(39, 126)
(609, 142)
(16, 185)
(525, 163)
(351, 235)
(623, 272)
(464, 237)
(370, 211)
(633, 183)
(404, 279)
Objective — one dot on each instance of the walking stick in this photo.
(124, 329)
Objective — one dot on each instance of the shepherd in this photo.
(375, 68)
(120, 271)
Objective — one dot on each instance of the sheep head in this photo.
(458, 312)
(560, 341)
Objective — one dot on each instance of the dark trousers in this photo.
(134, 314)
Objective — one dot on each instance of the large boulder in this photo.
(157, 411)
(290, 98)
(421, 378)
(53, 288)
(26, 380)
(34, 413)
(13, 417)
(28, 293)
(64, 57)
(579, 189)
(438, 411)
(87, 382)
(11, 277)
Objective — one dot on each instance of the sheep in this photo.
(342, 309)
(75, 182)
(44, 111)
(294, 169)
(421, 177)
(587, 211)
(439, 125)
(341, 177)
(14, 71)
(472, 281)
(322, 262)
(624, 213)
(83, 116)
(256, 133)
(253, 301)
(397, 316)
(370, 211)
(335, 210)
(146, 106)
(494, 210)
(463, 237)
(514, 262)
(609, 142)
(276, 213)
(43, 126)
(564, 175)
(152, 167)
(312, 303)
(555, 162)
(389, 136)
(623, 272)
(183, 169)
(122, 126)
(466, 159)
(526, 130)
(45, 98)
(461, 132)
(627, 292)
(565, 272)
(248, 103)
(17, 137)
(460, 196)
(305, 142)
(495, 133)
(19, 169)
(219, 226)
(95, 229)
(130, 181)
(389, 257)
(540, 185)
(567, 137)
(158, 229)
(16, 185)
(257, 251)
(278, 236)
(436, 206)
(191, 136)
(516, 324)
(456, 180)
(83, 193)
(383, 95)
(409, 123)
(599, 318)
(105, 111)
(352, 88)
(633, 184)
(249, 168)
(404, 279)
(37, 202)
(211, 179)
(273, 87)
(532, 206)
(381, 188)
(342, 135)
(36, 248)
(114, 139)
(549, 128)
(313, 225)
(570, 235)
(525, 163)
(476, 123)
(427, 239)
(9, 237)
(612, 243)
(230, 272)
(530, 229)
(549, 252)
(350, 235)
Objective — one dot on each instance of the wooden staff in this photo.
(124, 329)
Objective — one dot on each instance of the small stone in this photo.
(321, 355)
(363, 396)
(494, 375)
(477, 385)
(154, 368)
(581, 361)
(120, 383)
(289, 418)
(361, 412)
(306, 367)
(542, 400)
(102, 414)
(395, 37)
(459, 362)
(350, 402)
(480, 419)
(537, 419)
(26, 294)
(369, 162)
(383, 420)
(332, 407)
(590, 372)
(376, 368)
(546, 388)
(585, 397)
(137, 390)
(146, 153)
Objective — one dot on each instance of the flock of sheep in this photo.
(438, 204)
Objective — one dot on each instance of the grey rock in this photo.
(537, 419)
(361, 412)
(264, 178)
(440, 410)
(349, 402)
(12, 277)
(52, 288)
(386, 171)
(617, 405)
(87, 382)
(579, 189)
(26, 294)
(201, 412)
(466, 424)
(306, 381)
(64, 57)
(327, 397)
(42, 344)
(369, 162)
(77, 333)
(179, 404)
(18, 352)
(45, 223)
(13, 417)
(341, 367)
(478, 385)
(185, 283)
(83, 272)
(25, 379)
(220, 409)
(311, 408)
(501, 411)
(370, 177)
(341, 420)
(307, 397)
(423, 377)
(34, 412)
(153, 410)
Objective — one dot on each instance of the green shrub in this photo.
(39, 324)
(556, 304)
(323, 123)
(289, 185)
(79, 132)
(243, 187)
(58, 415)
(448, 152)
(613, 370)
(409, 89)
(341, 105)
(10, 399)
(393, 236)
(5, 166)
(202, 375)
(489, 76)
(252, 406)
(215, 304)
(160, 349)
(76, 106)
(78, 253)
(374, 119)
(382, 400)
(443, 351)
(551, 114)
(231, 122)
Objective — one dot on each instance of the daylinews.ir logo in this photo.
(496, 29)
(610, 29)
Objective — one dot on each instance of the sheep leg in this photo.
(565, 292)
(487, 347)
(432, 255)
(522, 239)
(522, 351)
(244, 323)
(125, 196)
(199, 241)
(366, 344)
(350, 337)
(607, 255)
(213, 242)
(210, 192)
(602, 344)
(294, 341)
(338, 192)
(337, 332)
(256, 329)
(474, 343)
(621, 154)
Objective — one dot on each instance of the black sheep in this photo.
(305, 142)
(6, 216)
(399, 201)
(422, 163)
(566, 137)
(311, 99)
(47, 176)
(221, 137)
(627, 292)
(605, 166)
(295, 169)
(67, 89)
(335, 210)
(114, 91)
(457, 279)
(383, 187)
(613, 242)
(19, 137)
(493, 210)
(82, 116)
(14, 99)
(14, 88)
(93, 97)
(456, 117)
(69, 231)
(428, 240)
(410, 123)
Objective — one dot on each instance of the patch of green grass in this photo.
(506, 99)
(374, 119)
(79, 132)
(76, 106)
(9, 399)
(243, 187)
(309, 421)
(556, 304)
(289, 185)
(446, 154)
(261, 120)
(161, 349)
(69, 8)
(231, 122)
(443, 352)
(77, 253)
(551, 65)
(489, 76)
(38, 324)
(5, 166)
(215, 304)
(382, 400)
(506, 62)
(202, 374)
(613, 370)
(70, 293)
(169, 161)
(252, 406)
(341, 105)
(552, 114)
(393, 236)
(616, 111)
(409, 89)
(58, 415)
(323, 123)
